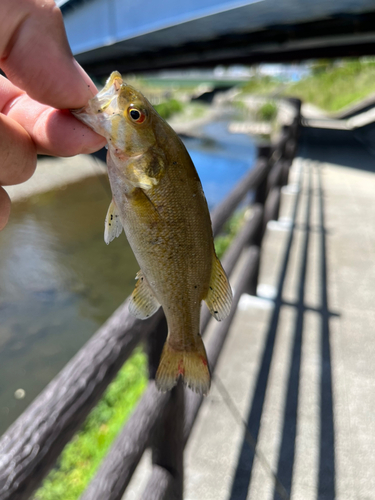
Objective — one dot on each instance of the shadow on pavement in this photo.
(325, 486)
(349, 148)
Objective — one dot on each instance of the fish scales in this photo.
(159, 201)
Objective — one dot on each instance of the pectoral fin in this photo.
(145, 172)
(144, 181)
(219, 296)
(143, 302)
(112, 224)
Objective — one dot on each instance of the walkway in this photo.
(301, 367)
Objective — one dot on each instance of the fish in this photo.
(158, 199)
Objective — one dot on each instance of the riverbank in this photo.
(56, 173)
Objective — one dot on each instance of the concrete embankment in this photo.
(54, 173)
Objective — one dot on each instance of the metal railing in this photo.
(160, 421)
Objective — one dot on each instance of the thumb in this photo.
(36, 57)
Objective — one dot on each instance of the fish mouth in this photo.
(103, 108)
(105, 101)
(114, 79)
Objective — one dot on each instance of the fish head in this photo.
(122, 115)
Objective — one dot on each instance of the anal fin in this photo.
(219, 297)
(112, 224)
(143, 303)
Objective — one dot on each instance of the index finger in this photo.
(53, 131)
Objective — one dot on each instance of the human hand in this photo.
(44, 83)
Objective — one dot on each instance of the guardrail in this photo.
(163, 422)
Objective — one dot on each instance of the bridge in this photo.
(145, 36)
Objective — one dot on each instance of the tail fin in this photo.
(192, 366)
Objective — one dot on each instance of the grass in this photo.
(185, 112)
(82, 456)
(231, 228)
(334, 85)
(267, 112)
(261, 84)
(168, 108)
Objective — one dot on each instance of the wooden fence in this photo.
(161, 421)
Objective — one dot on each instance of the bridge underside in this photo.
(341, 35)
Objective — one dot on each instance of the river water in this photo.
(59, 281)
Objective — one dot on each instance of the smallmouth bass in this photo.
(159, 201)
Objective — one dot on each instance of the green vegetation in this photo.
(168, 108)
(82, 456)
(261, 84)
(231, 228)
(195, 110)
(267, 112)
(333, 85)
(191, 111)
(240, 105)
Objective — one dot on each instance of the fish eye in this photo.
(136, 115)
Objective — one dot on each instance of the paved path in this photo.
(299, 370)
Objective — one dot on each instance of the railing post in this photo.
(155, 343)
(261, 192)
(167, 444)
(268, 191)
(167, 451)
(272, 206)
(275, 175)
(285, 172)
(264, 152)
(253, 278)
